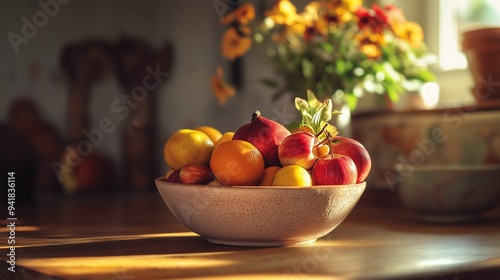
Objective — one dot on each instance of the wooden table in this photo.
(134, 236)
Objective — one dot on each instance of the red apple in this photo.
(356, 151)
(95, 171)
(195, 174)
(297, 149)
(336, 170)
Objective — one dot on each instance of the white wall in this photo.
(454, 85)
(185, 100)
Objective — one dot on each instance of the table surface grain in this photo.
(134, 236)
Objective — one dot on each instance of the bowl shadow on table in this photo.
(156, 256)
(126, 245)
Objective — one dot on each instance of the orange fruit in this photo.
(237, 163)
(188, 146)
(213, 133)
(269, 172)
(228, 136)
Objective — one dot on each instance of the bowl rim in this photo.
(362, 184)
(447, 167)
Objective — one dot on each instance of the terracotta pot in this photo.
(482, 50)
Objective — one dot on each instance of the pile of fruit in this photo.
(266, 153)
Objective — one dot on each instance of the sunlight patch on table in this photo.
(97, 265)
(20, 228)
(436, 262)
(80, 240)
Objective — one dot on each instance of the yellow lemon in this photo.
(228, 136)
(213, 133)
(292, 175)
(269, 173)
(188, 146)
(215, 183)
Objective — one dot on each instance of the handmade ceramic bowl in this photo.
(260, 216)
(449, 193)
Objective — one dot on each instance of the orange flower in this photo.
(283, 12)
(321, 26)
(233, 45)
(308, 19)
(242, 15)
(245, 13)
(229, 18)
(221, 90)
(245, 30)
(370, 44)
(410, 32)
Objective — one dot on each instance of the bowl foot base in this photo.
(446, 219)
(260, 243)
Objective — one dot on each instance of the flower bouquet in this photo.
(337, 48)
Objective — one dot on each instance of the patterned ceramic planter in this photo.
(447, 136)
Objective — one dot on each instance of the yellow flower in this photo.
(410, 32)
(307, 20)
(371, 50)
(298, 26)
(233, 45)
(352, 5)
(311, 12)
(342, 10)
(283, 12)
(221, 90)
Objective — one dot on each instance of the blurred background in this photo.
(72, 83)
